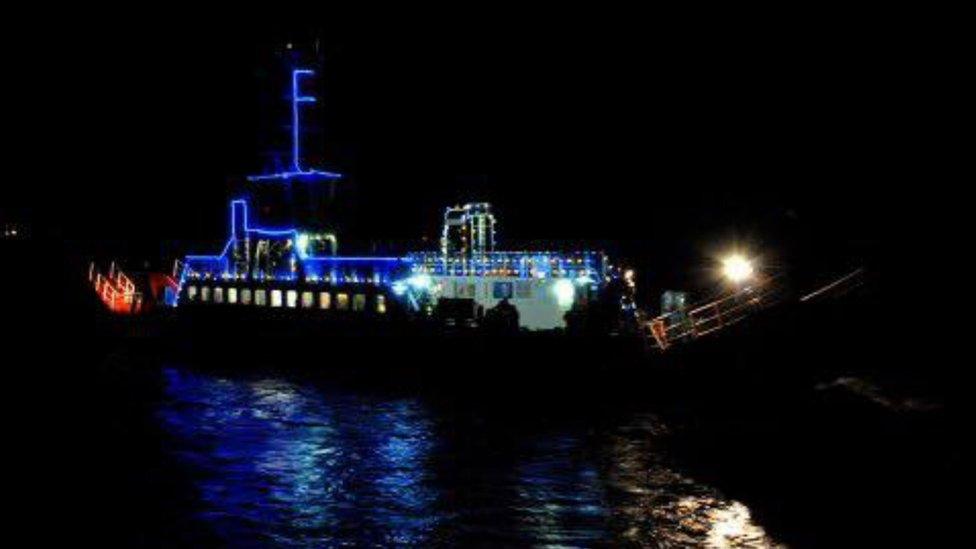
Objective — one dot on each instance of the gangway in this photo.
(677, 327)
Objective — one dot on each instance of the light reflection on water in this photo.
(656, 505)
(280, 463)
(288, 464)
(560, 494)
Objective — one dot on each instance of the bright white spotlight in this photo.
(737, 268)
(420, 281)
(584, 280)
(399, 288)
(301, 245)
(565, 292)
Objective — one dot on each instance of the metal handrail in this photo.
(117, 291)
(710, 317)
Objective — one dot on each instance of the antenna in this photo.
(296, 99)
(296, 136)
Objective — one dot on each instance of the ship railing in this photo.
(116, 291)
(837, 287)
(681, 326)
(701, 320)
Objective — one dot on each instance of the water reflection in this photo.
(560, 495)
(290, 464)
(286, 464)
(655, 505)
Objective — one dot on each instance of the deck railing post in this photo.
(660, 333)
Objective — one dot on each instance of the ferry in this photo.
(463, 284)
(268, 270)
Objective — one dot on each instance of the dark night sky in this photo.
(669, 136)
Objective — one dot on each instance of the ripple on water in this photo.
(291, 465)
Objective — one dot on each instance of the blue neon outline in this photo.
(296, 160)
(311, 174)
(351, 258)
(293, 233)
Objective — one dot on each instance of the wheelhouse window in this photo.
(308, 300)
(359, 302)
(342, 302)
(292, 298)
(381, 304)
(246, 296)
(325, 300)
(231, 295)
(205, 294)
(191, 293)
(261, 297)
(218, 295)
(276, 298)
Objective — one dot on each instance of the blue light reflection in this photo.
(287, 465)
(562, 497)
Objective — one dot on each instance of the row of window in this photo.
(287, 298)
(521, 289)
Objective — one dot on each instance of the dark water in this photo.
(165, 452)
(263, 459)
(298, 465)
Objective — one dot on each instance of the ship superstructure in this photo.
(469, 230)
(276, 268)
(296, 268)
(541, 285)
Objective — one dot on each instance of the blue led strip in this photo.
(312, 174)
(341, 259)
(296, 98)
(297, 170)
(262, 231)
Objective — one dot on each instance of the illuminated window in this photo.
(260, 297)
(191, 293)
(464, 290)
(502, 290)
(292, 297)
(342, 302)
(205, 294)
(246, 296)
(308, 300)
(276, 298)
(218, 295)
(359, 302)
(325, 300)
(231, 295)
(381, 304)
